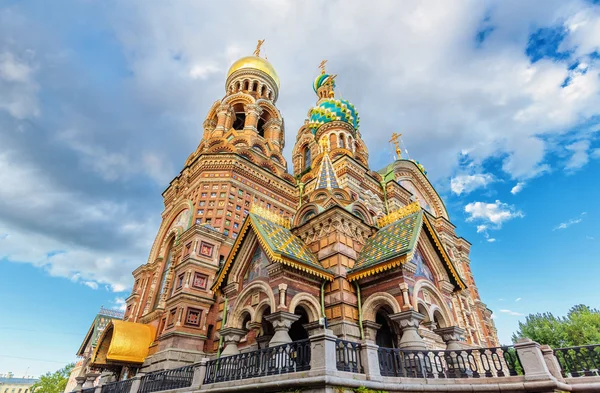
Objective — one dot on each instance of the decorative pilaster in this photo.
(313, 328)
(282, 289)
(282, 321)
(231, 337)
(405, 298)
(371, 329)
(253, 112)
(409, 322)
(452, 336)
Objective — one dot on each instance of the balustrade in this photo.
(167, 379)
(280, 359)
(466, 363)
(579, 361)
(348, 356)
(117, 387)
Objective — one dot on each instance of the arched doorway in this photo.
(385, 337)
(297, 331)
(267, 330)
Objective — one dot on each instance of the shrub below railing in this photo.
(281, 359)
(467, 363)
(167, 379)
(348, 356)
(117, 387)
(579, 361)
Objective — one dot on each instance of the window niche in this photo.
(240, 117)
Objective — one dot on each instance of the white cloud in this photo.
(491, 240)
(203, 71)
(19, 89)
(495, 213)
(91, 284)
(120, 303)
(518, 299)
(509, 312)
(481, 228)
(468, 183)
(572, 221)
(579, 155)
(517, 188)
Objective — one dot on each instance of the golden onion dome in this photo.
(256, 63)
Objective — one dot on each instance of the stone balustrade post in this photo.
(80, 381)
(231, 337)
(409, 322)
(136, 383)
(370, 360)
(552, 362)
(281, 321)
(532, 360)
(452, 336)
(199, 374)
(90, 378)
(322, 352)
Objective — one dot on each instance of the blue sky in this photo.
(101, 102)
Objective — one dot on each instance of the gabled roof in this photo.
(279, 243)
(395, 244)
(388, 247)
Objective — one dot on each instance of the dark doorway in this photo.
(297, 331)
(385, 335)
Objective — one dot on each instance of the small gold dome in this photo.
(257, 63)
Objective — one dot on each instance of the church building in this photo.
(252, 254)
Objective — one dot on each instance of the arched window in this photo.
(342, 141)
(240, 117)
(332, 141)
(307, 216)
(306, 162)
(246, 83)
(163, 277)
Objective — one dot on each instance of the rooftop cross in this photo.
(322, 66)
(395, 141)
(257, 50)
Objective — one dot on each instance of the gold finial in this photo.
(322, 66)
(395, 141)
(257, 50)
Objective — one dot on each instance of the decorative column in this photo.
(282, 321)
(371, 329)
(273, 131)
(80, 381)
(452, 336)
(253, 112)
(90, 378)
(409, 322)
(222, 115)
(405, 298)
(231, 337)
(282, 289)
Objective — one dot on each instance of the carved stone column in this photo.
(282, 321)
(409, 322)
(231, 337)
(273, 132)
(371, 329)
(282, 289)
(222, 115)
(253, 112)
(90, 378)
(452, 336)
(405, 298)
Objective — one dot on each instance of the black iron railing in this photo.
(88, 390)
(167, 379)
(281, 359)
(117, 387)
(467, 363)
(583, 361)
(348, 356)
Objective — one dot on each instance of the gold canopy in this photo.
(123, 342)
(257, 63)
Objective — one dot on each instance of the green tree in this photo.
(55, 382)
(581, 326)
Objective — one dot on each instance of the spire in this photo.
(327, 179)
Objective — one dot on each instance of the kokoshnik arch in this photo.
(249, 255)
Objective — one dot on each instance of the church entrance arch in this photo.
(297, 331)
(385, 336)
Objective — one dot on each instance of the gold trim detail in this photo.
(442, 251)
(396, 215)
(401, 260)
(269, 215)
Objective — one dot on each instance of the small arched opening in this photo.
(342, 141)
(246, 85)
(423, 310)
(307, 216)
(240, 117)
(306, 155)
(260, 126)
(439, 319)
(332, 141)
(385, 336)
(297, 331)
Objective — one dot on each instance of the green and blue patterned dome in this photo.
(323, 79)
(333, 109)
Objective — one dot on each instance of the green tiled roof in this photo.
(282, 241)
(390, 242)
